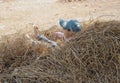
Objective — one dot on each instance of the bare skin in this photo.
(36, 31)
(68, 34)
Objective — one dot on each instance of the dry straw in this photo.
(93, 56)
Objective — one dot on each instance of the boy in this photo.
(70, 27)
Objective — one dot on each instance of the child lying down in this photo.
(70, 27)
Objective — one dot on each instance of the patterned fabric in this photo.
(59, 34)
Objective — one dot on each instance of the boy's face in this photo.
(68, 33)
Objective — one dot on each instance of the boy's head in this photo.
(70, 25)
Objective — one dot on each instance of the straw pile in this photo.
(16, 50)
(92, 56)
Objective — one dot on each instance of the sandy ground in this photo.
(19, 15)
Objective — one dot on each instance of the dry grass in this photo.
(16, 50)
(93, 56)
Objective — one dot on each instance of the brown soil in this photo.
(18, 15)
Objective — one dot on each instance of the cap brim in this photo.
(63, 23)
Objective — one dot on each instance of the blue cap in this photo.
(73, 25)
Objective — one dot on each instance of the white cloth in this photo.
(42, 37)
